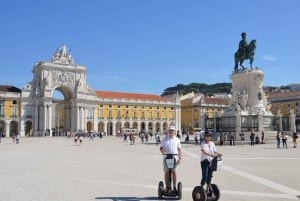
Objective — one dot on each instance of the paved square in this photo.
(54, 169)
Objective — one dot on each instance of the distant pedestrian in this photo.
(80, 138)
(295, 137)
(284, 139)
(231, 139)
(221, 138)
(242, 137)
(76, 139)
(278, 139)
(252, 136)
(262, 137)
(14, 138)
(125, 136)
(17, 138)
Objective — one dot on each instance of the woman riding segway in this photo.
(209, 159)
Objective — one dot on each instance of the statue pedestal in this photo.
(248, 104)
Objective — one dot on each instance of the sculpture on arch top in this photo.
(62, 55)
(244, 52)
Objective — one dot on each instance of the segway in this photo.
(212, 192)
(170, 161)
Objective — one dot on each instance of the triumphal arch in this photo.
(40, 112)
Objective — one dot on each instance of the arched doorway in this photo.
(109, 128)
(150, 127)
(143, 126)
(89, 126)
(13, 128)
(126, 125)
(28, 128)
(2, 128)
(157, 126)
(100, 127)
(61, 110)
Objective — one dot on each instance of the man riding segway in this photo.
(171, 150)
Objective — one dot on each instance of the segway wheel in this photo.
(160, 189)
(199, 194)
(179, 190)
(216, 192)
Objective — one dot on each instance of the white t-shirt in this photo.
(209, 148)
(170, 145)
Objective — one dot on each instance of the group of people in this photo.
(283, 137)
(170, 144)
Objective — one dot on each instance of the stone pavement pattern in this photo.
(48, 169)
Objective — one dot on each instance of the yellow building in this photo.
(9, 110)
(196, 108)
(282, 103)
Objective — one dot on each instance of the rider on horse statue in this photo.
(245, 51)
(242, 46)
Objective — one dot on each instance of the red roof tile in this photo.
(280, 95)
(218, 101)
(124, 95)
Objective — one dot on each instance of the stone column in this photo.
(279, 115)
(292, 120)
(95, 119)
(238, 123)
(260, 119)
(50, 118)
(7, 128)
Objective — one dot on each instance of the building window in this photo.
(14, 102)
(101, 113)
(2, 108)
(90, 114)
(14, 111)
(172, 115)
(157, 114)
(28, 112)
(143, 115)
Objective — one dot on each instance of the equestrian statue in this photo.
(244, 52)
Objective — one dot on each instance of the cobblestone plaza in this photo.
(54, 168)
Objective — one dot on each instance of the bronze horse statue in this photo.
(239, 58)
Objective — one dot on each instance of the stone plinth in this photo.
(248, 97)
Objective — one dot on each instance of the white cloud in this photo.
(269, 58)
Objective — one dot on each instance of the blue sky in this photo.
(145, 46)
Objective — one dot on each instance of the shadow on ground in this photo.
(132, 198)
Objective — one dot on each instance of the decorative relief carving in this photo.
(62, 77)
